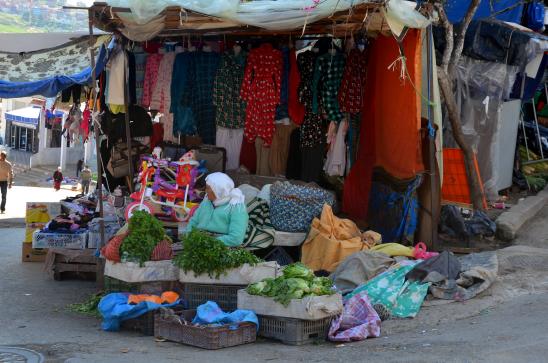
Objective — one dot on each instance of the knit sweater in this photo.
(230, 222)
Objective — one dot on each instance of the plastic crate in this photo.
(279, 255)
(151, 287)
(226, 296)
(145, 323)
(207, 337)
(293, 331)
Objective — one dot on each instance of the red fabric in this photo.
(248, 156)
(151, 47)
(111, 250)
(296, 109)
(151, 77)
(352, 87)
(84, 125)
(390, 123)
(162, 251)
(157, 135)
(261, 90)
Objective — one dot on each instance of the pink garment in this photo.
(151, 77)
(336, 156)
(161, 94)
(358, 321)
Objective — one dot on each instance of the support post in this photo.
(127, 121)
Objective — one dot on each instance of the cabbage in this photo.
(256, 288)
(298, 270)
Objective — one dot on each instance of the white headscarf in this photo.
(223, 187)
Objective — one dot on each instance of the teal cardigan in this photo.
(228, 221)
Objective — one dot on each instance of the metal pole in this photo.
(128, 131)
(431, 139)
(536, 125)
(99, 188)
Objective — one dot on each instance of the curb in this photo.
(508, 223)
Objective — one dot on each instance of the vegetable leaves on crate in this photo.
(203, 253)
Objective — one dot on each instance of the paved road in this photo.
(34, 316)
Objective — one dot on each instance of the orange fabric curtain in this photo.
(391, 120)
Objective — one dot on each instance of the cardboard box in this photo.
(308, 308)
(29, 254)
(38, 212)
(75, 241)
(31, 228)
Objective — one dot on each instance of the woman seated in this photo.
(222, 212)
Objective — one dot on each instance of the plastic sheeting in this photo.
(481, 90)
(456, 9)
(268, 14)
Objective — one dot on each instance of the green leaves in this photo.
(145, 232)
(296, 282)
(203, 253)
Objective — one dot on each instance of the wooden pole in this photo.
(128, 129)
(96, 128)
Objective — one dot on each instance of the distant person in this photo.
(85, 179)
(57, 179)
(6, 178)
(79, 165)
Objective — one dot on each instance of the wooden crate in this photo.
(78, 264)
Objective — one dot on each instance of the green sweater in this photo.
(228, 221)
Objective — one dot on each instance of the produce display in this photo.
(296, 282)
(203, 253)
(145, 232)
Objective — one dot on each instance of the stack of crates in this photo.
(36, 217)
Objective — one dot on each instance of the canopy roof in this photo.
(26, 115)
(143, 20)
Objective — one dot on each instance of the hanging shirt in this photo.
(352, 86)
(261, 90)
(327, 80)
(116, 79)
(161, 95)
(311, 128)
(151, 76)
(183, 119)
(140, 68)
(282, 111)
(204, 67)
(226, 91)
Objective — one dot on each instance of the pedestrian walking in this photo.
(6, 178)
(57, 178)
(85, 179)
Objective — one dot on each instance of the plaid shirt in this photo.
(358, 321)
(203, 70)
(328, 74)
(226, 91)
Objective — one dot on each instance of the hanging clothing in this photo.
(312, 161)
(204, 67)
(311, 128)
(293, 170)
(390, 127)
(282, 111)
(261, 90)
(226, 91)
(352, 89)
(140, 68)
(161, 96)
(328, 74)
(296, 108)
(74, 91)
(336, 156)
(279, 150)
(157, 135)
(116, 79)
(231, 141)
(151, 76)
(183, 119)
(131, 78)
(263, 157)
(248, 156)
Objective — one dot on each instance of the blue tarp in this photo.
(51, 87)
(28, 115)
(456, 9)
(115, 309)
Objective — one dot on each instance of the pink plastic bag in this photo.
(420, 252)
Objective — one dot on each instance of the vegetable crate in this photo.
(151, 287)
(293, 331)
(207, 337)
(226, 296)
(145, 323)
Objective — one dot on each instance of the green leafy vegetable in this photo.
(203, 253)
(297, 281)
(145, 232)
(89, 307)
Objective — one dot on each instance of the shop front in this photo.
(22, 129)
